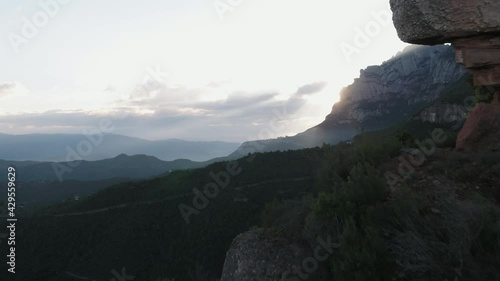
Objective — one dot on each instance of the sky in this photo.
(188, 69)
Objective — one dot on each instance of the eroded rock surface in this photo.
(256, 256)
(441, 21)
(479, 131)
(381, 97)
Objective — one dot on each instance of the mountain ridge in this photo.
(380, 97)
(122, 166)
(63, 147)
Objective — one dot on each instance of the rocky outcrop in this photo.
(255, 256)
(473, 28)
(477, 133)
(382, 96)
(264, 255)
(398, 88)
(441, 21)
(442, 114)
(391, 93)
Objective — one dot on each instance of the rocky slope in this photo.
(257, 256)
(396, 90)
(381, 97)
(447, 193)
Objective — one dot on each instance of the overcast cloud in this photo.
(7, 88)
(239, 117)
(177, 70)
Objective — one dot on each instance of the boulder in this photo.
(256, 256)
(259, 255)
(432, 22)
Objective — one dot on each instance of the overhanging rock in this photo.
(473, 28)
(431, 22)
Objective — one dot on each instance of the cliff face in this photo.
(381, 97)
(395, 89)
(390, 93)
(442, 114)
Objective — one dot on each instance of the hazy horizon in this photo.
(161, 139)
(197, 70)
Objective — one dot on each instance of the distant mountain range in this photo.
(417, 84)
(414, 88)
(62, 147)
(43, 183)
(116, 217)
(381, 97)
(122, 166)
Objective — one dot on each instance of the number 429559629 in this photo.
(11, 196)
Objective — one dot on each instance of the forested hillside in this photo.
(116, 227)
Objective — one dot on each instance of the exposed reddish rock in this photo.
(496, 98)
(481, 55)
(480, 131)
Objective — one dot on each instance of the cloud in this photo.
(110, 89)
(7, 88)
(157, 111)
(217, 84)
(312, 88)
(239, 101)
(147, 90)
(230, 119)
(181, 100)
(155, 95)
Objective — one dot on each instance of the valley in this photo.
(381, 180)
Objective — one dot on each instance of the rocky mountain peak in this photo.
(396, 89)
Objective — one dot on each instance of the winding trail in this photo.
(78, 276)
(238, 188)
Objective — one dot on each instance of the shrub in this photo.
(458, 239)
(405, 138)
(362, 255)
(364, 187)
(284, 218)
